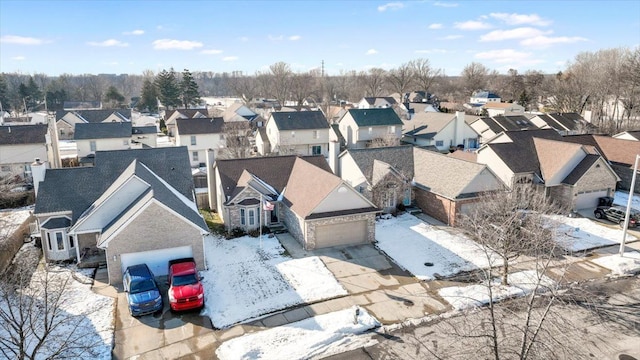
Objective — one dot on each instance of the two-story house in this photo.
(442, 130)
(360, 127)
(198, 135)
(19, 146)
(297, 132)
(66, 120)
(92, 137)
(171, 116)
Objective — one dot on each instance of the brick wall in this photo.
(596, 178)
(435, 206)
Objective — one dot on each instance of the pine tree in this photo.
(189, 88)
(114, 97)
(30, 93)
(4, 94)
(168, 89)
(148, 97)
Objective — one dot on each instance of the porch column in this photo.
(75, 241)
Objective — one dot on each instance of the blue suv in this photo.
(143, 295)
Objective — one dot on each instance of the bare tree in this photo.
(244, 87)
(401, 79)
(474, 77)
(373, 81)
(303, 85)
(388, 140)
(424, 74)
(281, 81)
(236, 138)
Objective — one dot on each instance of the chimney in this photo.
(38, 171)
(334, 151)
(458, 137)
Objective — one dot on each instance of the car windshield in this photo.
(185, 280)
(142, 285)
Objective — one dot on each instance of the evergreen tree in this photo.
(524, 99)
(114, 97)
(168, 89)
(4, 94)
(189, 88)
(148, 97)
(30, 93)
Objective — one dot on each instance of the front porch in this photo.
(92, 258)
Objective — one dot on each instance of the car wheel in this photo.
(598, 215)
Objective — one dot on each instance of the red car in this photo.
(185, 289)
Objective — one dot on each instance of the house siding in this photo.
(161, 229)
(84, 145)
(626, 174)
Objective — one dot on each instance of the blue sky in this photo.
(94, 37)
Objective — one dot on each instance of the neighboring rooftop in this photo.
(196, 126)
(22, 134)
(102, 130)
(300, 120)
(374, 117)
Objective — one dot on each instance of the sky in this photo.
(115, 37)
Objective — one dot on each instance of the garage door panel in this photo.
(156, 260)
(589, 200)
(354, 232)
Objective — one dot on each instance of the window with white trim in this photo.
(370, 130)
(92, 145)
(194, 156)
(242, 219)
(252, 217)
(316, 150)
(55, 242)
(193, 140)
(316, 134)
(392, 129)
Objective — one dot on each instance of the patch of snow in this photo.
(520, 284)
(579, 234)
(10, 220)
(249, 278)
(628, 264)
(622, 198)
(411, 243)
(312, 338)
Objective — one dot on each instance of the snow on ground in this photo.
(245, 281)
(628, 264)
(578, 234)
(316, 337)
(411, 243)
(622, 198)
(164, 141)
(11, 219)
(520, 284)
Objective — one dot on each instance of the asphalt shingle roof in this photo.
(102, 130)
(400, 157)
(581, 169)
(300, 120)
(612, 149)
(22, 134)
(375, 117)
(520, 155)
(200, 126)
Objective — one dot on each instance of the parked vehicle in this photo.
(616, 214)
(185, 289)
(143, 295)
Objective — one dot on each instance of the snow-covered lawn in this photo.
(628, 264)
(622, 198)
(578, 234)
(11, 219)
(411, 243)
(520, 284)
(316, 337)
(245, 281)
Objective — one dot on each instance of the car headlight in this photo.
(171, 298)
(158, 299)
(200, 296)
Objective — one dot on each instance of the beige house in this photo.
(499, 108)
(129, 208)
(318, 208)
(92, 137)
(199, 135)
(20, 145)
(360, 127)
(171, 116)
(442, 130)
(66, 120)
(297, 132)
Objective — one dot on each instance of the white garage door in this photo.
(589, 200)
(354, 232)
(156, 260)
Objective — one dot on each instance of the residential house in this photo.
(446, 187)
(445, 131)
(171, 116)
(263, 145)
(633, 135)
(19, 147)
(145, 135)
(198, 135)
(360, 127)
(318, 208)
(92, 137)
(132, 207)
(619, 153)
(499, 108)
(563, 123)
(489, 127)
(571, 174)
(383, 175)
(298, 132)
(66, 120)
(483, 97)
(380, 102)
(238, 112)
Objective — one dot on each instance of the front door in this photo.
(274, 215)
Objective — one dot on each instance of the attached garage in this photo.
(588, 199)
(347, 233)
(156, 260)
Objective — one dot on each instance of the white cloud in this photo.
(169, 44)
(509, 58)
(545, 41)
(244, 39)
(445, 4)
(472, 25)
(432, 51)
(275, 38)
(108, 43)
(520, 19)
(211, 51)
(517, 33)
(450, 37)
(22, 40)
(435, 26)
(230, 58)
(18, 58)
(134, 32)
(295, 37)
(371, 52)
(390, 6)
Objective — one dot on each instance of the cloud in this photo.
(450, 37)
(244, 39)
(472, 25)
(134, 32)
(371, 52)
(18, 58)
(545, 41)
(435, 26)
(432, 51)
(230, 58)
(520, 19)
(22, 40)
(108, 43)
(170, 44)
(295, 37)
(517, 33)
(390, 6)
(509, 57)
(275, 38)
(445, 4)
(211, 51)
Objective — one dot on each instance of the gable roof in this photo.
(553, 155)
(514, 122)
(308, 185)
(464, 155)
(22, 134)
(429, 124)
(400, 157)
(614, 150)
(376, 100)
(633, 133)
(102, 130)
(374, 117)
(200, 126)
(96, 116)
(485, 94)
(299, 120)
(581, 169)
(520, 154)
(189, 113)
